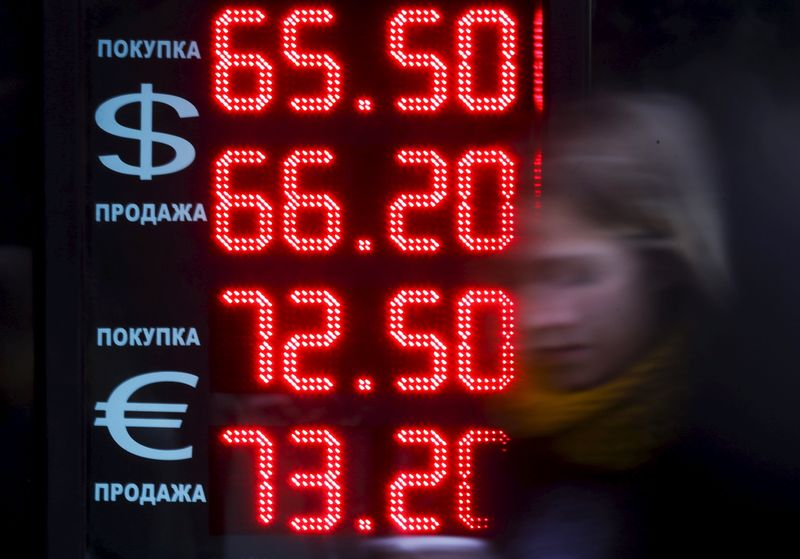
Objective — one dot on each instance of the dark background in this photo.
(738, 60)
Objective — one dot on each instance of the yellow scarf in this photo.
(615, 426)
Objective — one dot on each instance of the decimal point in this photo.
(364, 385)
(364, 105)
(364, 245)
(364, 524)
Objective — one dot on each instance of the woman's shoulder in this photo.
(701, 496)
(692, 498)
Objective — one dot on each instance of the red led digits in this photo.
(364, 525)
(538, 60)
(464, 466)
(329, 481)
(364, 105)
(364, 385)
(226, 202)
(466, 340)
(397, 209)
(364, 245)
(265, 499)
(398, 510)
(226, 62)
(297, 201)
(537, 180)
(333, 322)
(438, 69)
(323, 61)
(256, 298)
(507, 93)
(397, 309)
(466, 208)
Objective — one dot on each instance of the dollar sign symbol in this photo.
(106, 118)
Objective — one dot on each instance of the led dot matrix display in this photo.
(356, 173)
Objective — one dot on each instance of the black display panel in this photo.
(287, 349)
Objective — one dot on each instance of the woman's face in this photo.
(586, 309)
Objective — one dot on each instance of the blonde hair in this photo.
(641, 166)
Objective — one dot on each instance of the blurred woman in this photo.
(611, 275)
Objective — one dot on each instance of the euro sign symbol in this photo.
(118, 424)
(106, 118)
